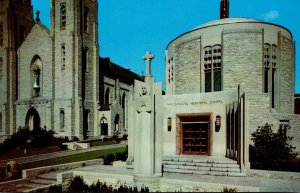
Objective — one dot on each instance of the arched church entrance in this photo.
(32, 119)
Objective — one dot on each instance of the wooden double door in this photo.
(195, 136)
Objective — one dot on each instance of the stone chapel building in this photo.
(53, 78)
(224, 79)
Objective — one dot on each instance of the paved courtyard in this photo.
(193, 182)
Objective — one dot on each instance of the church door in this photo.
(195, 138)
(32, 119)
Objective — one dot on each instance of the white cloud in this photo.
(271, 15)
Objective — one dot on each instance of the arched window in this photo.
(63, 14)
(62, 120)
(85, 19)
(36, 78)
(1, 126)
(63, 56)
(107, 97)
(104, 126)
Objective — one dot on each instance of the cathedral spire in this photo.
(224, 9)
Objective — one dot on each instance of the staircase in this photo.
(203, 165)
(40, 183)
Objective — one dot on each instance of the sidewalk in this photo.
(191, 182)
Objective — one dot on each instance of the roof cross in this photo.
(148, 57)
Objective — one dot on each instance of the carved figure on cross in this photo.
(148, 57)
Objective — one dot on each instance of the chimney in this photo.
(224, 9)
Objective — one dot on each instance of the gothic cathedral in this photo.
(51, 77)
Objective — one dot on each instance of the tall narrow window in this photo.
(274, 66)
(63, 56)
(124, 109)
(85, 60)
(208, 68)
(1, 126)
(217, 67)
(107, 95)
(267, 57)
(22, 34)
(1, 34)
(85, 19)
(1, 68)
(62, 120)
(63, 16)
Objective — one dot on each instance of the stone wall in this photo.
(242, 60)
(287, 65)
(187, 67)
(258, 114)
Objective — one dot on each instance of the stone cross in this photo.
(148, 57)
(37, 16)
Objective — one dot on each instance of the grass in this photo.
(73, 158)
(100, 143)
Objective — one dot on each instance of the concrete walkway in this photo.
(42, 157)
(192, 182)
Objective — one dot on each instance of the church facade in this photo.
(53, 77)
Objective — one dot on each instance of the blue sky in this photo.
(129, 28)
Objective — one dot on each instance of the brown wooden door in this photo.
(195, 138)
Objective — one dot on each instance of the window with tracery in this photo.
(270, 66)
(213, 68)
(63, 16)
(274, 67)
(207, 68)
(217, 67)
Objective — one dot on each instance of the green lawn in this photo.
(100, 143)
(73, 158)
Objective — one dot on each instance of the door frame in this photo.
(192, 117)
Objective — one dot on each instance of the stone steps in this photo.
(201, 165)
(40, 183)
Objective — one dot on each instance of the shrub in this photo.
(124, 137)
(77, 185)
(55, 188)
(271, 151)
(229, 189)
(75, 139)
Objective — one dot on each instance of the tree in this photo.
(271, 150)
